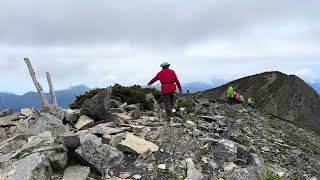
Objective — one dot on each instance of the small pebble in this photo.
(162, 166)
(137, 177)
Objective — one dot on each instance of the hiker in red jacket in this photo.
(169, 81)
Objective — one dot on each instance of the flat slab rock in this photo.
(137, 145)
(76, 173)
(84, 122)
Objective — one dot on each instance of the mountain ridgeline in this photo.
(31, 99)
(285, 96)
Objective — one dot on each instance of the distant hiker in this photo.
(242, 99)
(251, 103)
(169, 81)
(230, 95)
(237, 98)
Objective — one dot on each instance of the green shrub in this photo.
(132, 95)
(185, 104)
(270, 175)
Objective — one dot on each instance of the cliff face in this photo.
(285, 96)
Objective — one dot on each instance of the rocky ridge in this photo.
(285, 96)
(215, 141)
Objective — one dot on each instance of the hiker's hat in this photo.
(164, 64)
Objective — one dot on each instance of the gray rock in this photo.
(104, 128)
(72, 115)
(58, 161)
(30, 168)
(190, 124)
(72, 141)
(6, 112)
(76, 173)
(84, 122)
(136, 145)
(145, 159)
(131, 107)
(97, 107)
(117, 110)
(203, 101)
(244, 155)
(99, 156)
(193, 173)
(115, 103)
(54, 110)
(46, 122)
(26, 111)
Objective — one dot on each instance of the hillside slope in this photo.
(285, 96)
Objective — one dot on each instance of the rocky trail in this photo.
(119, 141)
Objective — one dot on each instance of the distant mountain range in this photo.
(68, 96)
(31, 99)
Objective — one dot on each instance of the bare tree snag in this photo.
(52, 92)
(44, 99)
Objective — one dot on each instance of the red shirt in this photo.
(169, 81)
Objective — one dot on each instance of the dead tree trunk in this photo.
(44, 99)
(52, 92)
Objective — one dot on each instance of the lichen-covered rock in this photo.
(55, 111)
(46, 122)
(76, 173)
(97, 107)
(100, 156)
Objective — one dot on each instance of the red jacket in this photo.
(169, 81)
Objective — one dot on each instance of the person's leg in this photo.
(167, 105)
(172, 100)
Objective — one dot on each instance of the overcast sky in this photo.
(100, 42)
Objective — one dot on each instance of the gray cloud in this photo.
(101, 42)
(37, 23)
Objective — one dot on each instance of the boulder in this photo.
(114, 103)
(55, 111)
(193, 173)
(99, 156)
(97, 107)
(46, 122)
(28, 168)
(71, 141)
(6, 112)
(76, 173)
(72, 115)
(84, 122)
(26, 111)
(58, 161)
(150, 97)
(136, 145)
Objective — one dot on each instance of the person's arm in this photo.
(177, 82)
(156, 78)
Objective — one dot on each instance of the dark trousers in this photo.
(169, 103)
(230, 100)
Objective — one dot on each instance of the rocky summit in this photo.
(285, 96)
(214, 141)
